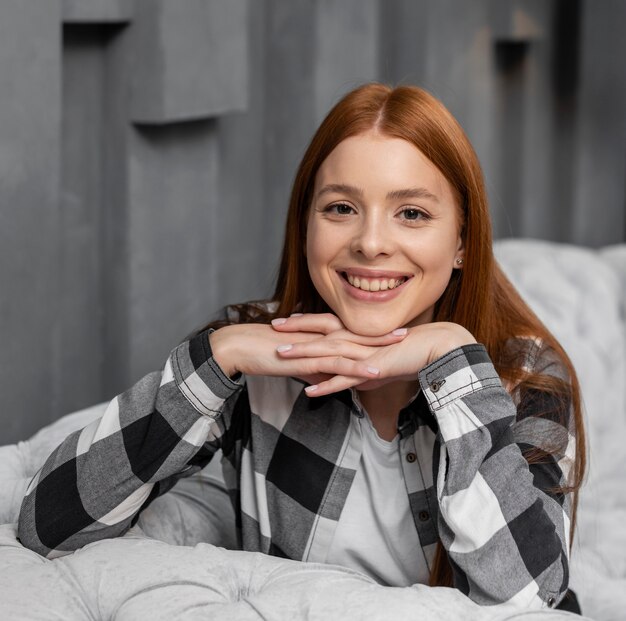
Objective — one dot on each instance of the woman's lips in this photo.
(374, 284)
(382, 286)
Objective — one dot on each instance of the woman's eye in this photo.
(411, 213)
(341, 209)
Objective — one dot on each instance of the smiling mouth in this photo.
(374, 284)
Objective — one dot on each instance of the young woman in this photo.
(395, 407)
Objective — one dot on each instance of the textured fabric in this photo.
(289, 461)
(580, 295)
(376, 533)
(135, 579)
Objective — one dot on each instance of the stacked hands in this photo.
(320, 350)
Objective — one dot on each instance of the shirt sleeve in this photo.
(505, 529)
(95, 483)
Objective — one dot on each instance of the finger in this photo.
(371, 384)
(351, 345)
(334, 384)
(327, 327)
(374, 341)
(330, 365)
(315, 378)
(321, 348)
(324, 323)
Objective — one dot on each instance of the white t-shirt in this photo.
(376, 533)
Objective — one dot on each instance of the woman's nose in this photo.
(372, 239)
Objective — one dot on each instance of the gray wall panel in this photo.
(80, 295)
(146, 161)
(115, 240)
(189, 59)
(172, 260)
(245, 270)
(97, 11)
(30, 242)
(404, 40)
(289, 108)
(601, 165)
(347, 49)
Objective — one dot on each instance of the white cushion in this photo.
(133, 578)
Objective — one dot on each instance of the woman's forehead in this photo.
(376, 161)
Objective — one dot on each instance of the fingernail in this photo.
(282, 348)
(279, 322)
(373, 370)
(400, 331)
(296, 314)
(310, 389)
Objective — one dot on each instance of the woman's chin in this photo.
(368, 327)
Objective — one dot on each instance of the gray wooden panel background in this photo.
(147, 149)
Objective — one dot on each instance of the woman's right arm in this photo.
(95, 483)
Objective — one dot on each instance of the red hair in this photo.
(478, 297)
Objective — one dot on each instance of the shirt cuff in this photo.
(458, 373)
(198, 376)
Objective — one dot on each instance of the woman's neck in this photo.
(384, 404)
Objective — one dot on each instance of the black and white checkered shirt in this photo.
(289, 461)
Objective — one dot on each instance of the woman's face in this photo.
(383, 234)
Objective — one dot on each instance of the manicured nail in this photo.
(296, 314)
(279, 322)
(282, 348)
(373, 370)
(400, 331)
(310, 389)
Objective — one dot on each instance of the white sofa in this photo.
(170, 565)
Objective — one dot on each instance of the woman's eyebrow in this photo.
(340, 188)
(412, 193)
(344, 188)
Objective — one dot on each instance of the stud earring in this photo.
(459, 261)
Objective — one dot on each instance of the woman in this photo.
(395, 408)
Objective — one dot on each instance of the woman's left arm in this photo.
(505, 530)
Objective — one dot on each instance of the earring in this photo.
(459, 261)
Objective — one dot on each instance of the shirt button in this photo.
(435, 386)
(423, 516)
(551, 602)
(411, 457)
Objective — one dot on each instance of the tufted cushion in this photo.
(580, 294)
(134, 578)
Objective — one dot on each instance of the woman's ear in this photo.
(459, 257)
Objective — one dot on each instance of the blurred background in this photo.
(147, 149)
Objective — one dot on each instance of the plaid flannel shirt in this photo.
(289, 461)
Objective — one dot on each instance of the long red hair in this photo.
(478, 297)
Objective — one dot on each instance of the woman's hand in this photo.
(402, 360)
(256, 349)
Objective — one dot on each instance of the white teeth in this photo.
(380, 284)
